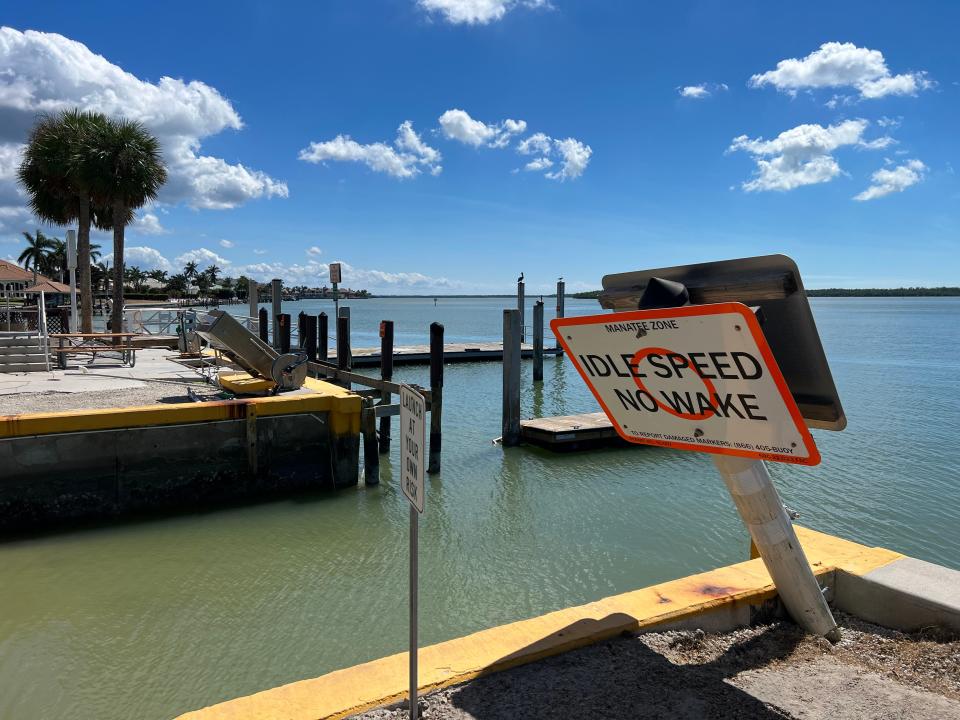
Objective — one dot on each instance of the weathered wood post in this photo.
(561, 292)
(301, 329)
(311, 337)
(276, 289)
(283, 325)
(538, 341)
(253, 298)
(343, 343)
(371, 452)
(323, 337)
(772, 532)
(264, 327)
(521, 305)
(511, 378)
(386, 372)
(436, 395)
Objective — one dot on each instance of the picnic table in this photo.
(94, 344)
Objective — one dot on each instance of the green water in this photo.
(152, 619)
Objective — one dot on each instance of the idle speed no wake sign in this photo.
(699, 377)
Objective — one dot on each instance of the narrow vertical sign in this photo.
(413, 443)
(413, 410)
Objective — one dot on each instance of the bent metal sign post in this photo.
(698, 377)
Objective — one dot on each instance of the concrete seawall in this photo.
(96, 464)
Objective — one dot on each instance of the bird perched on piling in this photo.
(520, 279)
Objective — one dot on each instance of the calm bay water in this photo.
(152, 619)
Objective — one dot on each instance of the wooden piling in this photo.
(521, 306)
(343, 343)
(262, 322)
(386, 372)
(511, 378)
(283, 326)
(310, 342)
(323, 337)
(561, 301)
(436, 395)
(538, 341)
(276, 289)
(371, 454)
(301, 329)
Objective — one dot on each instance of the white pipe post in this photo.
(772, 532)
(72, 266)
(253, 303)
(276, 291)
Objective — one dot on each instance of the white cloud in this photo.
(226, 243)
(458, 125)
(47, 72)
(148, 224)
(401, 161)
(575, 156)
(837, 64)
(202, 257)
(258, 251)
(802, 155)
(476, 12)
(694, 91)
(701, 91)
(537, 144)
(314, 273)
(314, 251)
(540, 163)
(886, 181)
(143, 257)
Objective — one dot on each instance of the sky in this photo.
(445, 146)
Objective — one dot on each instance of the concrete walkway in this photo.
(106, 373)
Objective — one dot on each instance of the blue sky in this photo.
(752, 158)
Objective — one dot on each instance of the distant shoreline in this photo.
(846, 292)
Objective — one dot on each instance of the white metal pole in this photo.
(72, 265)
(414, 548)
(772, 531)
(42, 322)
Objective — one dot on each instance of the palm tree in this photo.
(94, 253)
(190, 270)
(57, 173)
(130, 173)
(212, 273)
(56, 260)
(38, 249)
(159, 275)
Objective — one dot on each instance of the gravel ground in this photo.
(763, 672)
(150, 393)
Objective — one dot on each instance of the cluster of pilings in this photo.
(313, 339)
(513, 338)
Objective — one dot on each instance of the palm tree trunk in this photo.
(116, 324)
(83, 265)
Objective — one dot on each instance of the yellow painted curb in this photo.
(345, 692)
(342, 405)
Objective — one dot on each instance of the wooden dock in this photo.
(452, 352)
(571, 432)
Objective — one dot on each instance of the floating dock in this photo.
(453, 352)
(571, 432)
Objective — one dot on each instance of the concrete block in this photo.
(907, 594)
